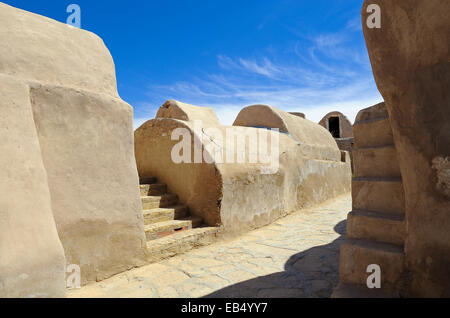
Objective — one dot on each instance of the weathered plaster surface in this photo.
(239, 196)
(296, 257)
(79, 133)
(410, 61)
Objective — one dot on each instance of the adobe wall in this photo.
(410, 61)
(197, 185)
(185, 112)
(239, 196)
(302, 115)
(345, 124)
(315, 141)
(32, 262)
(345, 142)
(85, 134)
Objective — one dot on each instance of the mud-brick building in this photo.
(70, 192)
(401, 190)
(302, 115)
(341, 129)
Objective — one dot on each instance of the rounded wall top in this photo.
(302, 130)
(176, 110)
(371, 113)
(39, 49)
(302, 115)
(260, 116)
(346, 128)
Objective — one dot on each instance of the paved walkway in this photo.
(297, 256)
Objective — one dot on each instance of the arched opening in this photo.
(334, 127)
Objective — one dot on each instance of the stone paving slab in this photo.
(297, 256)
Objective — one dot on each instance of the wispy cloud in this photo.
(266, 68)
(354, 24)
(144, 112)
(322, 73)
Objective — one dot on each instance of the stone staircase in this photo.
(169, 228)
(376, 227)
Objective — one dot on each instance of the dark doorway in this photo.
(334, 127)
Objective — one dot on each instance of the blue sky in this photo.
(297, 55)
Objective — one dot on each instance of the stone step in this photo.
(181, 242)
(196, 221)
(354, 291)
(161, 229)
(158, 215)
(373, 132)
(163, 201)
(376, 162)
(153, 189)
(380, 227)
(165, 214)
(357, 255)
(383, 195)
(148, 180)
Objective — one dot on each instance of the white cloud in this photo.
(296, 103)
(266, 68)
(354, 24)
(329, 73)
(349, 108)
(143, 112)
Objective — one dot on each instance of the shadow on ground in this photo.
(311, 273)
